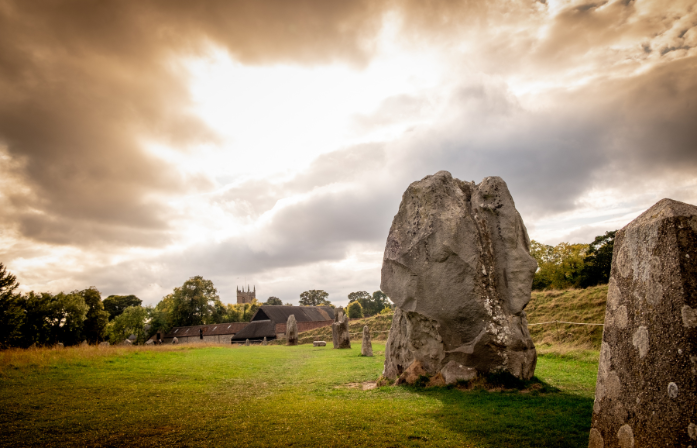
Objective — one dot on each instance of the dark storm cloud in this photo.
(84, 82)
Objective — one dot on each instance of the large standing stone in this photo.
(457, 265)
(646, 394)
(292, 330)
(341, 330)
(366, 346)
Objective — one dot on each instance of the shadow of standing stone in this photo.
(646, 392)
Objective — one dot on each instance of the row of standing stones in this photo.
(457, 265)
(341, 337)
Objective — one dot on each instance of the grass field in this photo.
(271, 396)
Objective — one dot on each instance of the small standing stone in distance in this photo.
(367, 346)
(292, 330)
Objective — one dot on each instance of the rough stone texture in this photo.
(335, 333)
(264, 342)
(646, 393)
(319, 344)
(412, 374)
(340, 331)
(366, 346)
(175, 341)
(292, 330)
(246, 343)
(457, 265)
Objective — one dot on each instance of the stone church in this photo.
(246, 296)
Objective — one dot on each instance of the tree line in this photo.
(573, 265)
(46, 319)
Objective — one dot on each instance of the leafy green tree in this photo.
(158, 320)
(114, 305)
(194, 303)
(381, 301)
(50, 319)
(130, 321)
(69, 315)
(94, 328)
(315, 297)
(371, 304)
(559, 266)
(598, 260)
(12, 316)
(354, 310)
(273, 301)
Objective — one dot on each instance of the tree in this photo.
(371, 304)
(314, 297)
(381, 301)
(69, 315)
(558, 267)
(114, 305)
(130, 321)
(158, 321)
(12, 316)
(598, 260)
(95, 322)
(194, 302)
(273, 301)
(354, 310)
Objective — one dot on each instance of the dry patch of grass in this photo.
(41, 357)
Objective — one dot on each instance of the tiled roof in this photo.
(208, 330)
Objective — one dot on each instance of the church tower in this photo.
(246, 296)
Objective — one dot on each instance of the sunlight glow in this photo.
(278, 118)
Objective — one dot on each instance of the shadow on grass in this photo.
(513, 418)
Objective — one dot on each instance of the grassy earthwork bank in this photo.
(208, 395)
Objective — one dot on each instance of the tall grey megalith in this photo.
(457, 265)
(646, 392)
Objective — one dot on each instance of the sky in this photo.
(268, 143)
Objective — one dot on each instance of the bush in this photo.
(354, 310)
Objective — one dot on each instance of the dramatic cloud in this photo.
(142, 143)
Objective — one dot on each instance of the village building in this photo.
(270, 321)
(215, 333)
(246, 296)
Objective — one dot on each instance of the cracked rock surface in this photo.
(646, 392)
(457, 265)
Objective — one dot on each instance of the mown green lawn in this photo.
(278, 396)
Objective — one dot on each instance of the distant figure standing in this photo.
(200, 333)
